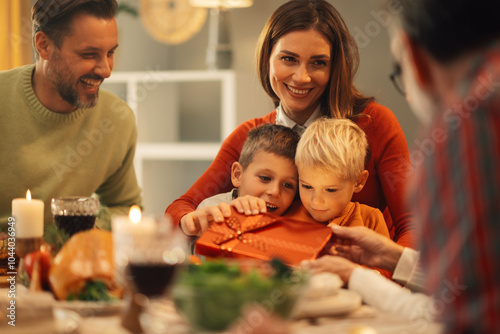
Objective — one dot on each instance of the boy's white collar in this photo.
(283, 119)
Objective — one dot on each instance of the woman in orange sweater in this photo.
(306, 61)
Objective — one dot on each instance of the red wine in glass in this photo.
(74, 224)
(152, 279)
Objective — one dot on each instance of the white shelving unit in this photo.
(137, 85)
(157, 94)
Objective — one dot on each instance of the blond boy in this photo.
(330, 160)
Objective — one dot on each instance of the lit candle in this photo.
(134, 223)
(28, 214)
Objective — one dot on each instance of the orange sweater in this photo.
(388, 164)
(354, 214)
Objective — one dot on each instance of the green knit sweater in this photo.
(52, 154)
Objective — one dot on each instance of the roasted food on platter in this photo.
(84, 268)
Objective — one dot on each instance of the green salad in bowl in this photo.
(212, 295)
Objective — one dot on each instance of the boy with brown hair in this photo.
(265, 180)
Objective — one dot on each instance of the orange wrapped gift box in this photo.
(264, 236)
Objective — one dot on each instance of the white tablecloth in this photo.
(364, 320)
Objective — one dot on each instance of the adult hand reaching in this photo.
(331, 264)
(364, 246)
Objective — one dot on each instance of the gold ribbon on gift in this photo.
(238, 231)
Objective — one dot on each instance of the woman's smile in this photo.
(298, 91)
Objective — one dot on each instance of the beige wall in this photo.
(139, 52)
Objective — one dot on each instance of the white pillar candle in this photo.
(130, 233)
(134, 224)
(28, 214)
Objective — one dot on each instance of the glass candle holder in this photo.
(148, 251)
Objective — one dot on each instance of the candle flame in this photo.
(135, 214)
(28, 195)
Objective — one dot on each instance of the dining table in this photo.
(75, 319)
(365, 320)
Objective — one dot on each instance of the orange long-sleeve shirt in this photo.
(388, 164)
(354, 214)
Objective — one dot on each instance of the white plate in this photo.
(341, 303)
(67, 322)
(90, 309)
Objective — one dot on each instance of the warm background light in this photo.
(219, 49)
(221, 3)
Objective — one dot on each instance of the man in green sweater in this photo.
(61, 136)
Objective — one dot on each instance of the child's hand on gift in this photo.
(249, 205)
(198, 221)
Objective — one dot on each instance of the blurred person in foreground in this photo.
(62, 136)
(451, 75)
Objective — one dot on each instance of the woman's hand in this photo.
(331, 264)
(198, 221)
(249, 205)
(367, 247)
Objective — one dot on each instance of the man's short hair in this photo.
(54, 17)
(448, 29)
(270, 138)
(337, 146)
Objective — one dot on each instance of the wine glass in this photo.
(147, 255)
(74, 214)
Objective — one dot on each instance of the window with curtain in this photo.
(15, 34)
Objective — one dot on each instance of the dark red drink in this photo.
(152, 279)
(74, 224)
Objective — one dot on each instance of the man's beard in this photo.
(65, 84)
